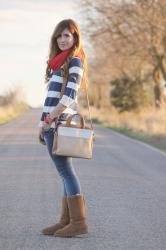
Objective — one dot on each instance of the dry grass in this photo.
(150, 121)
(11, 112)
(11, 105)
(148, 125)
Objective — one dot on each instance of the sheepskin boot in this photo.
(77, 214)
(64, 219)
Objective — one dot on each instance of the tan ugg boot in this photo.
(77, 213)
(64, 219)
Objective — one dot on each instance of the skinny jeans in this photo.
(64, 166)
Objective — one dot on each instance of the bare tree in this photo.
(128, 38)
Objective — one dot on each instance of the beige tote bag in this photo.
(73, 140)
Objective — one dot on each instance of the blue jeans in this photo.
(71, 184)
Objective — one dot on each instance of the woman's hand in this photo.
(48, 119)
(41, 136)
(47, 122)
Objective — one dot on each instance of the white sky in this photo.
(26, 28)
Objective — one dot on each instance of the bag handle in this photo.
(69, 119)
(89, 109)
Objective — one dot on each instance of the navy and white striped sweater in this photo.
(69, 98)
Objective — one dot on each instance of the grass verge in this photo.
(12, 112)
(158, 141)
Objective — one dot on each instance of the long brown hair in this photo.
(77, 48)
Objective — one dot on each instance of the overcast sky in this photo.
(26, 28)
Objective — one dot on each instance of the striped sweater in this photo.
(69, 98)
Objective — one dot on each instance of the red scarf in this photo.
(57, 61)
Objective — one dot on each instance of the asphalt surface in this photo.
(124, 186)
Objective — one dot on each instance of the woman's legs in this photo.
(73, 214)
(71, 184)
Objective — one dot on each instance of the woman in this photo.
(66, 61)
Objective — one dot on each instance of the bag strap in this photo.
(89, 109)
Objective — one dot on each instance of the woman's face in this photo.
(65, 40)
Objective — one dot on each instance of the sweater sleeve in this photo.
(73, 84)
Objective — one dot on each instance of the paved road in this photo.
(124, 185)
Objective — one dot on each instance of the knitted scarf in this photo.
(57, 61)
